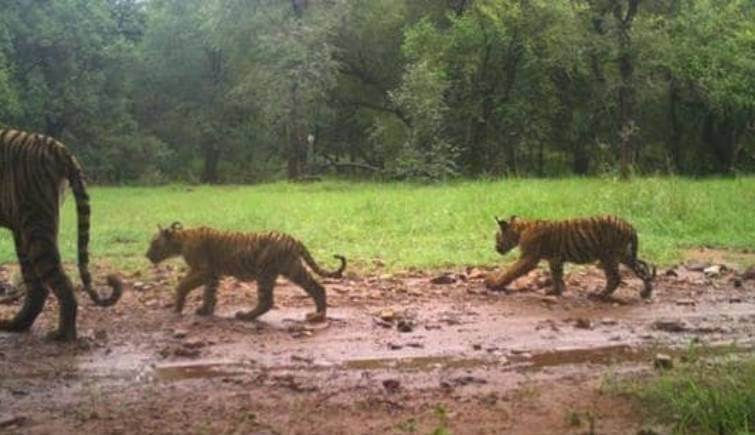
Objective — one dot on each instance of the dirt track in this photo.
(398, 354)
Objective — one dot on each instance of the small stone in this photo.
(445, 279)
(477, 346)
(194, 344)
(405, 325)
(670, 325)
(415, 345)
(696, 266)
(180, 333)
(735, 300)
(394, 346)
(582, 323)
(663, 361)
(685, 302)
(387, 315)
(607, 321)
(736, 282)
(749, 274)
(713, 271)
(391, 385)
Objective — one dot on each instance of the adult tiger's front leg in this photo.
(520, 268)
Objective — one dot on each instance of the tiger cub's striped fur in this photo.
(607, 239)
(212, 254)
(33, 171)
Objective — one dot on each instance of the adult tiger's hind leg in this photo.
(210, 298)
(301, 277)
(265, 285)
(45, 260)
(36, 292)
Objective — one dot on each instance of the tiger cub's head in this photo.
(165, 244)
(506, 238)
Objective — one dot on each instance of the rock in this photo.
(671, 272)
(582, 323)
(194, 344)
(395, 346)
(387, 315)
(391, 385)
(186, 353)
(713, 271)
(180, 333)
(735, 300)
(696, 266)
(477, 346)
(518, 351)
(446, 278)
(607, 321)
(670, 325)
(685, 302)
(9, 421)
(749, 274)
(405, 325)
(736, 282)
(415, 345)
(663, 361)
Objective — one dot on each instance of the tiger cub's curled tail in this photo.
(307, 257)
(78, 187)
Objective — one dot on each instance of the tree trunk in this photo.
(675, 138)
(721, 134)
(628, 127)
(211, 161)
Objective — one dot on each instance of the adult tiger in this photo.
(607, 239)
(212, 254)
(33, 172)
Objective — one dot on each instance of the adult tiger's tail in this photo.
(320, 271)
(76, 178)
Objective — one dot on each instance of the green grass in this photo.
(408, 225)
(701, 397)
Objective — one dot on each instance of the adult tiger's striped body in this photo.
(33, 172)
(212, 254)
(607, 239)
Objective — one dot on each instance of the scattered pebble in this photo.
(391, 385)
(670, 325)
(685, 302)
(663, 361)
(445, 279)
(582, 323)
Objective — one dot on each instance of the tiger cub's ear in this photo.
(501, 223)
(176, 226)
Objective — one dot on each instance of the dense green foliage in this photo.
(250, 90)
(413, 225)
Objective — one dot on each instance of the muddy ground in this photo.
(398, 354)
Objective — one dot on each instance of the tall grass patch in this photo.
(409, 225)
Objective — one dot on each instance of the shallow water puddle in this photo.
(197, 370)
(419, 363)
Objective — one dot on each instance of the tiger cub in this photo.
(212, 254)
(607, 239)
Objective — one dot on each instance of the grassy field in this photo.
(408, 225)
(700, 397)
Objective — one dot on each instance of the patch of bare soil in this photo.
(398, 354)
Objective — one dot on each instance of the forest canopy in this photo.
(250, 90)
